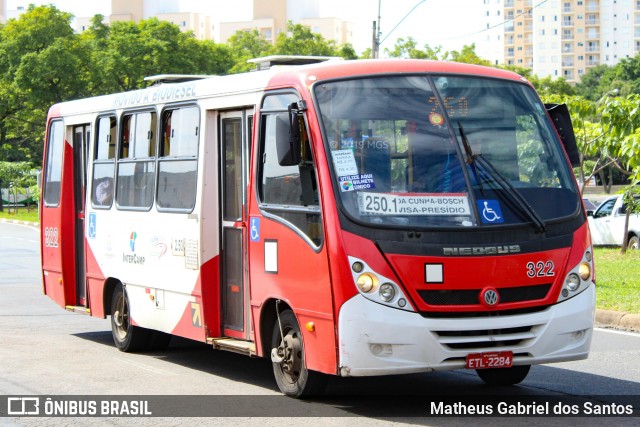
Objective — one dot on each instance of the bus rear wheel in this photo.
(504, 376)
(127, 337)
(288, 359)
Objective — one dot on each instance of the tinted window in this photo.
(54, 164)
(104, 163)
(178, 162)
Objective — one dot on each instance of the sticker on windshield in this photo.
(490, 211)
(357, 182)
(436, 119)
(345, 162)
(413, 204)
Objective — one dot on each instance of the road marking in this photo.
(615, 331)
(145, 367)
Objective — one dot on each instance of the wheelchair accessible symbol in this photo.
(490, 211)
(254, 229)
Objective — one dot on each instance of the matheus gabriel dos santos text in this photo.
(533, 408)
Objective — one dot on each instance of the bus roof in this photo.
(184, 89)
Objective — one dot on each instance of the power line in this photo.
(499, 24)
(405, 17)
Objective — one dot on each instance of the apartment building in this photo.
(270, 18)
(560, 38)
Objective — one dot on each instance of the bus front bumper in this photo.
(379, 340)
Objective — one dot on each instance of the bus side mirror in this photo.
(562, 121)
(288, 142)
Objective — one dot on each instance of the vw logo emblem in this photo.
(489, 297)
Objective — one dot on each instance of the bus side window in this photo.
(178, 159)
(136, 161)
(289, 192)
(103, 163)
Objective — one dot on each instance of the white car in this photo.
(607, 224)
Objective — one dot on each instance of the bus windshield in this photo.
(444, 151)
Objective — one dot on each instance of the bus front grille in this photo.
(471, 296)
(485, 339)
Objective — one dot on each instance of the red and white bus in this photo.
(349, 218)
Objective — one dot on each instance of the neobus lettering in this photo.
(487, 250)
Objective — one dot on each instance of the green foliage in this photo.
(408, 49)
(300, 40)
(550, 86)
(245, 45)
(19, 176)
(468, 55)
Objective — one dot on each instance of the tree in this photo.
(408, 49)
(550, 86)
(35, 55)
(300, 40)
(468, 55)
(17, 176)
(245, 45)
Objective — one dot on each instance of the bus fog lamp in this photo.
(367, 282)
(588, 256)
(387, 292)
(584, 271)
(573, 282)
(402, 302)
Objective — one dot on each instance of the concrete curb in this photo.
(618, 320)
(15, 221)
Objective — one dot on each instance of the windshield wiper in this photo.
(514, 195)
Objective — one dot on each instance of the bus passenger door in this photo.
(234, 172)
(80, 144)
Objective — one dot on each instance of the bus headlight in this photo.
(367, 282)
(578, 278)
(572, 282)
(378, 288)
(387, 292)
(584, 271)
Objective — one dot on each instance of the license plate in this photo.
(497, 359)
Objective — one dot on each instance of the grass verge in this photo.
(21, 215)
(617, 280)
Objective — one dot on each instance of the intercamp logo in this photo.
(23, 406)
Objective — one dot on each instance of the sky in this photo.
(447, 23)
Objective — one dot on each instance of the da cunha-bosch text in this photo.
(533, 408)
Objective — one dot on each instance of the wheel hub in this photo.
(289, 355)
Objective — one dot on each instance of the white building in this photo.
(560, 38)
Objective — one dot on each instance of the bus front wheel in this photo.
(504, 376)
(288, 359)
(127, 337)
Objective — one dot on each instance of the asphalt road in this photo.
(47, 351)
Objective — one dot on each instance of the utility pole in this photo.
(375, 43)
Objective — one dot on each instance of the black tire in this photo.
(292, 375)
(633, 243)
(504, 376)
(127, 337)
